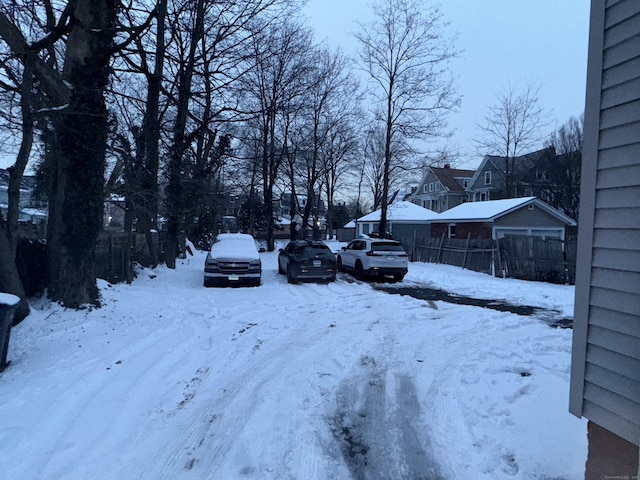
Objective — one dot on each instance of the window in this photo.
(424, 188)
(465, 183)
(487, 178)
(437, 186)
(452, 230)
(431, 187)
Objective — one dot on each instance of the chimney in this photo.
(447, 165)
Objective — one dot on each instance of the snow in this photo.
(8, 299)
(402, 211)
(234, 246)
(170, 380)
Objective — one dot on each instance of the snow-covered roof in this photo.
(403, 212)
(492, 209)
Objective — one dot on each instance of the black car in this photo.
(303, 259)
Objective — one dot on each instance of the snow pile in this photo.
(170, 380)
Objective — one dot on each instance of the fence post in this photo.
(466, 251)
(497, 250)
(413, 253)
(440, 249)
(110, 237)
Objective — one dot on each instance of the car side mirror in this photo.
(262, 250)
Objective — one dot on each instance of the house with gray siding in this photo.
(498, 177)
(605, 369)
(494, 219)
(442, 188)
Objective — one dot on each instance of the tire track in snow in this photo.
(209, 433)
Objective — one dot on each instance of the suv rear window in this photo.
(387, 247)
(312, 250)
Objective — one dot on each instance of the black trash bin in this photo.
(8, 306)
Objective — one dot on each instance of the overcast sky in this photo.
(503, 42)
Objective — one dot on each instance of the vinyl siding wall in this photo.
(605, 383)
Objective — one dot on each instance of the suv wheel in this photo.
(359, 270)
(290, 279)
(398, 277)
(280, 270)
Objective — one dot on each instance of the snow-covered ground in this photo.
(170, 380)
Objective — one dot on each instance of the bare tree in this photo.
(405, 52)
(568, 138)
(512, 126)
(274, 88)
(373, 160)
(78, 170)
(331, 103)
(560, 184)
(9, 277)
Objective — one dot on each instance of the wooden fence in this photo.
(534, 258)
(116, 252)
(524, 257)
(474, 254)
(113, 261)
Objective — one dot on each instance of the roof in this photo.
(447, 177)
(402, 212)
(492, 209)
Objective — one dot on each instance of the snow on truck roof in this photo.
(235, 245)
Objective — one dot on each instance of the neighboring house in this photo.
(231, 204)
(605, 366)
(442, 188)
(284, 207)
(490, 179)
(113, 212)
(496, 218)
(32, 211)
(403, 218)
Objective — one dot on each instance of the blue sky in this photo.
(503, 42)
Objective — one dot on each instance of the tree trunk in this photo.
(10, 281)
(77, 203)
(147, 212)
(175, 188)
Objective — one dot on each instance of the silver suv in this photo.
(374, 257)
